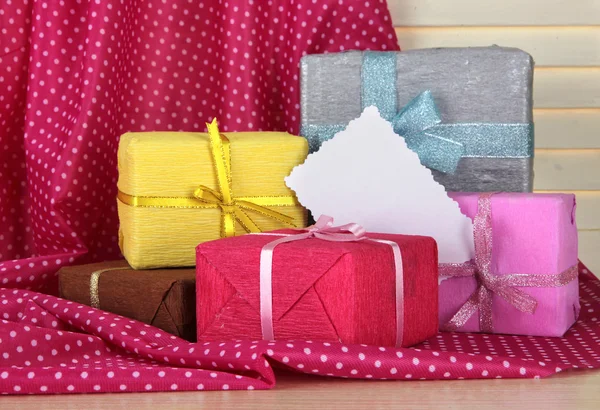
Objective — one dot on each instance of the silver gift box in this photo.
(491, 85)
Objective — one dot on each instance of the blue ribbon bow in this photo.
(416, 123)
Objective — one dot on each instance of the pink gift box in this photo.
(531, 234)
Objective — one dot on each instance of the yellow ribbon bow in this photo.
(232, 208)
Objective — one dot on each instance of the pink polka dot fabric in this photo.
(49, 345)
(75, 75)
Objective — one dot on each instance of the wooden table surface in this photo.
(575, 390)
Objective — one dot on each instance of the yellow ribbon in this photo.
(232, 208)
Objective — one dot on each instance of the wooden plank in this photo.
(576, 390)
(589, 250)
(588, 208)
(567, 169)
(570, 128)
(567, 87)
(494, 12)
(549, 46)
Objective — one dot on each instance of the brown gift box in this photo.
(164, 298)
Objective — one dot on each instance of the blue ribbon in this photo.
(439, 146)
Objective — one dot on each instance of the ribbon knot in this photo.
(489, 284)
(232, 208)
(228, 208)
(324, 229)
(416, 123)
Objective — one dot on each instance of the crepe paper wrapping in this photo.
(180, 166)
(164, 298)
(321, 290)
(103, 353)
(323, 229)
(491, 85)
(531, 234)
(489, 284)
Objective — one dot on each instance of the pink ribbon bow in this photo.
(322, 229)
(489, 284)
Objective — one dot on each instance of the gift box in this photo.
(178, 189)
(467, 112)
(524, 277)
(164, 298)
(381, 291)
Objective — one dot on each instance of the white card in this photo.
(367, 174)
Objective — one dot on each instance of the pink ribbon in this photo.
(489, 284)
(324, 230)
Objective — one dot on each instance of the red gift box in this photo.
(321, 290)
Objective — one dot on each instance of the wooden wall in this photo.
(564, 38)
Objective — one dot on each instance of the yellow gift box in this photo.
(178, 189)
